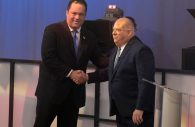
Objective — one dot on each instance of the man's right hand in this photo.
(78, 76)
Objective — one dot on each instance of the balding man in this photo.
(131, 99)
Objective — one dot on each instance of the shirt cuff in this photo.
(69, 73)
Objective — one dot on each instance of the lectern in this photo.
(167, 106)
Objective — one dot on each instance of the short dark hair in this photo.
(133, 21)
(83, 2)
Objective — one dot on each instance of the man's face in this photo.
(75, 16)
(121, 34)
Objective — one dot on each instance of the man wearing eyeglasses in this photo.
(131, 99)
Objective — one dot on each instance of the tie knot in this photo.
(75, 32)
(117, 56)
(119, 51)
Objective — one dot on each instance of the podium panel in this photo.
(26, 77)
(4, 93)
(175, 101)
(171, 108)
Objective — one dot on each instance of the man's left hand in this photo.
(137, 116)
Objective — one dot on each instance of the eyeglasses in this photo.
(119, 30)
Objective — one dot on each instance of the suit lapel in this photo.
(112, 58)
(112, 69)
(82, 43)
(69, 39)
(121, 59)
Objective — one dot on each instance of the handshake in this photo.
(79, 77)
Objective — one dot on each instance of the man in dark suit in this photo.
(131, 99)
(61, 71)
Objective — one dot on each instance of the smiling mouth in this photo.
(114, 37)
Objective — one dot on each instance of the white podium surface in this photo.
(178, 101)
(171, 108)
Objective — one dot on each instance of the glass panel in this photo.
(107, 124)
(26, 76)
(171, 108)
(158, 100)
(185, 110)
(4, 93)
(82, 122)
(158, 106)
(192, 112)
(158, 77)
(85, 122)
(174, 108)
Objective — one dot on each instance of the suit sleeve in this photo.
(98, 58)
(50, 56)
(98, 76)
(145, 69)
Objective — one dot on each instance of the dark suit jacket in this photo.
(126, 87)
(58, 58)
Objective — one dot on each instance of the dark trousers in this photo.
(148, 121)
(67, 114)
(126, 121)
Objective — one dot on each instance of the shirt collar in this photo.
(78, 30)
(122, 47)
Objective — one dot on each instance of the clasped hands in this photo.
(79, 77)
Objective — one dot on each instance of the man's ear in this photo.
(131, 33)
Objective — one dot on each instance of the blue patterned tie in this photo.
(76, 41)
